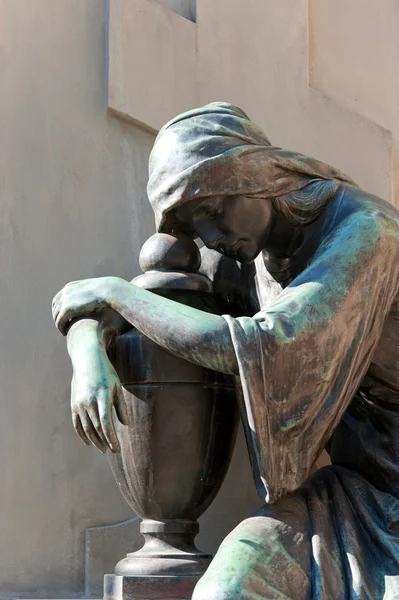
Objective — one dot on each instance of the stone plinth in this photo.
(122, 587)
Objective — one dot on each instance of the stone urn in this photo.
(177, 448)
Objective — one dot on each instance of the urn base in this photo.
(141, 587)
(166, 568)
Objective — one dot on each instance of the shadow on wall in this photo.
(185, 8)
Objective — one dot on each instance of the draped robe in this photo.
(319, 366)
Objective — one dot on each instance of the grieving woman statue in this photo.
(312, 334)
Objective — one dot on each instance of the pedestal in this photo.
(166, 568)
(122, 587)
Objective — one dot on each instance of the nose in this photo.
(210, 235)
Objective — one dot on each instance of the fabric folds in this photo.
(218, 151)
(303, 358)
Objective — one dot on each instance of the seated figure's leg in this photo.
(266, 557)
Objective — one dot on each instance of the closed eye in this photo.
(215, 213)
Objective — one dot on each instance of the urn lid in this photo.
(171, 262)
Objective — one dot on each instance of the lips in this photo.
(230, 250)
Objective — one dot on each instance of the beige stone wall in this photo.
(354, 60)
(73, 205)
(257, 54)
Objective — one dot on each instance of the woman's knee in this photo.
(265, 554)
(215, 591)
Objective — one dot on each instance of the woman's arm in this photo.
(186, 332)
(95, 388)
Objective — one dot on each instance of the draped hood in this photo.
(217, 150)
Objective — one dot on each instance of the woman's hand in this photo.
(84, 298)
(95, 391)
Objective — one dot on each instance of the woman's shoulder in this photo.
(352, 198)
(360, 228)
(365, 212)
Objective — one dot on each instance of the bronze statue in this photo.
(305, 265)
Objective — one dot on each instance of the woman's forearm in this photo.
(89, 333)
(186, 332)
(189, 333)
(84, 337)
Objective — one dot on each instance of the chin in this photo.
(245, 257)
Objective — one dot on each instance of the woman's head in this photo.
(236, 226)
(214, 172)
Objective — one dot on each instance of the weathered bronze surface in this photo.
(305, 268)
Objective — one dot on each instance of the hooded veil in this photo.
(302, 358)
(217, 151)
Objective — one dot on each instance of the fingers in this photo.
(58, 296)
(95, 425)
(56, 304)
(93, 412)
(61, 317)
(108, 427)
(77, 425)
(92, 403)
(62, 320)
(63, 310)
(120, 406)
(77, 299)
(91, 432)
(105, 432)
(55, 307)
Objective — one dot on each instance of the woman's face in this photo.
(237, 226)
